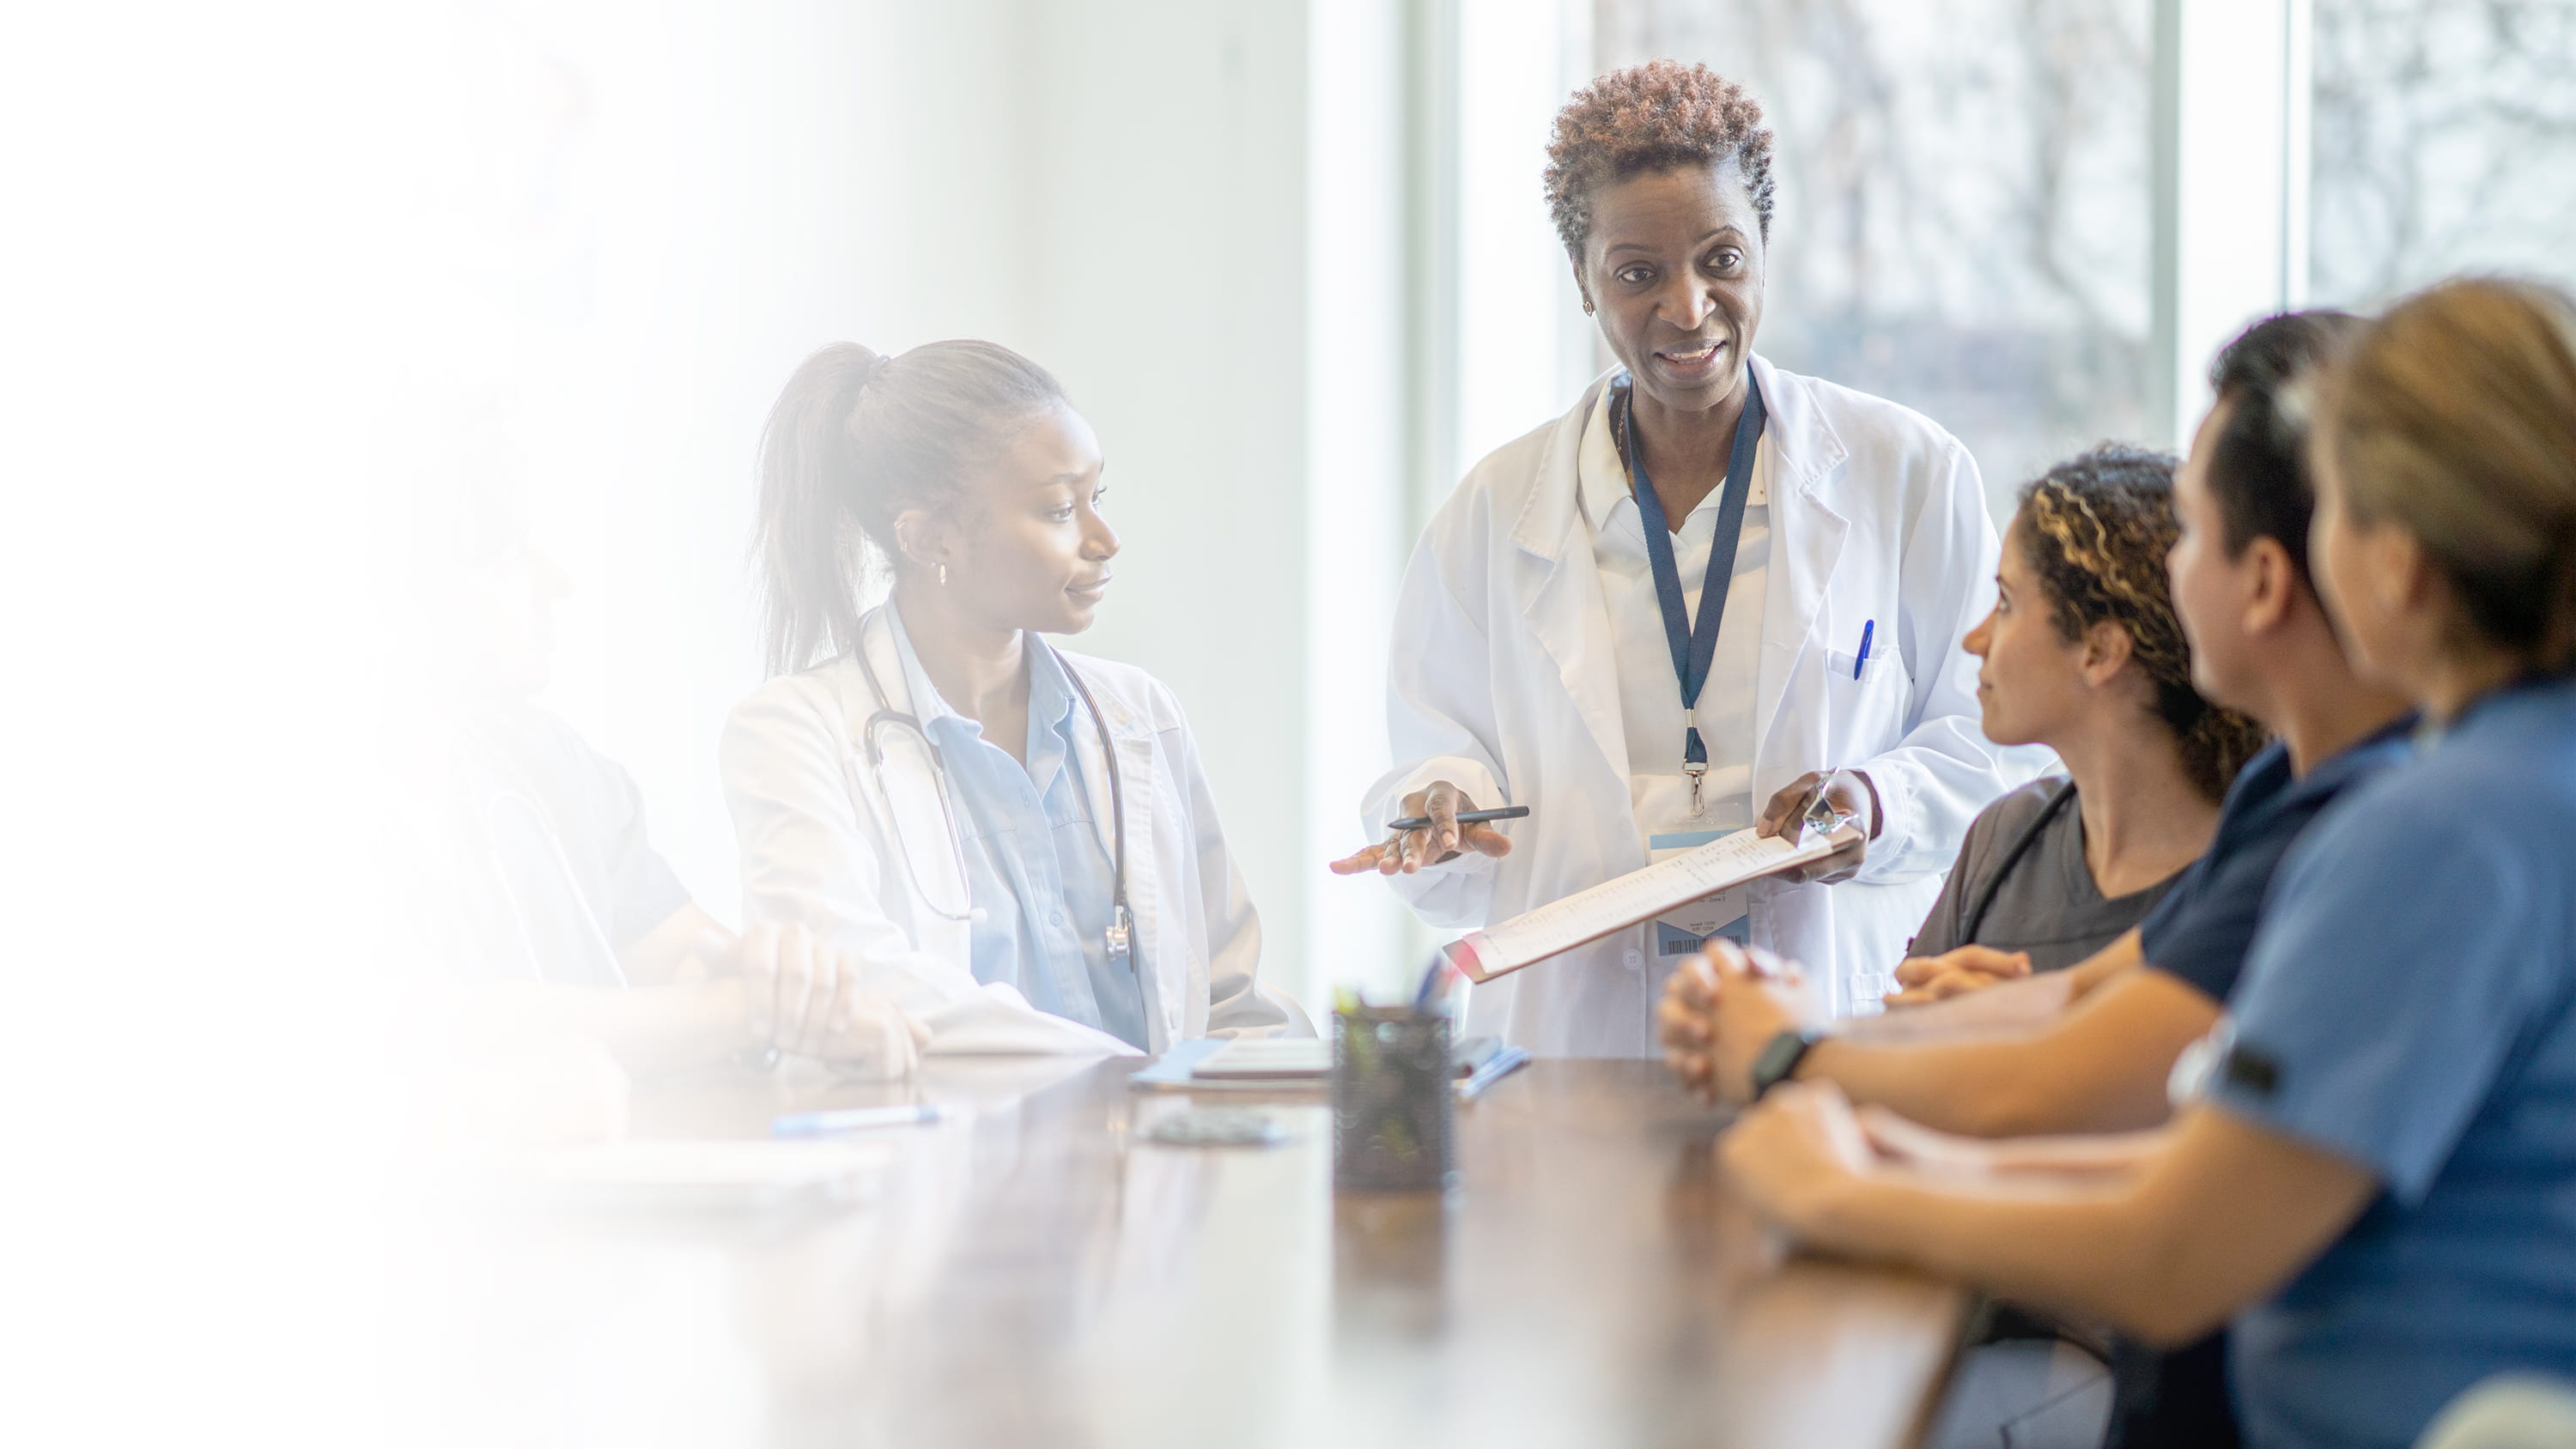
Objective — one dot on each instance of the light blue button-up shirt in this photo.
(1037, 866)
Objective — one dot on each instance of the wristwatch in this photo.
(1780, 1056)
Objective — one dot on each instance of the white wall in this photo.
(1524, 349)
(1358, 524)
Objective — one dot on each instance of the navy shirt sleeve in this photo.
(598, 815)
(643, 890)
(2405, 955)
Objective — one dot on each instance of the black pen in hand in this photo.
(1464, 817)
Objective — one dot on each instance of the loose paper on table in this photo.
(1642, 895)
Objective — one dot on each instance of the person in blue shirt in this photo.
(2375, 1176)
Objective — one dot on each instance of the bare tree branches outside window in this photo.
(2445, 141)
(1965, 203)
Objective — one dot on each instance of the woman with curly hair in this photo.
(1709, 593)
(2082, 654)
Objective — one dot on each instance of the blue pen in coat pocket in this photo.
(1860, 660)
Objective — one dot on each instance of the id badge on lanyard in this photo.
(1694, 641)
(1700, 919)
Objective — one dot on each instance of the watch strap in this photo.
(1780, 1056)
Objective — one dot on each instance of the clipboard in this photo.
(1642, 895)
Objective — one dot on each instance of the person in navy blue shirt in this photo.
(2375, 1177)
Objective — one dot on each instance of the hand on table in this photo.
(1927, 979)
(1849, 792)
(1445, 840)
(1722, 1007)
(1795, 1151)
(803, 998)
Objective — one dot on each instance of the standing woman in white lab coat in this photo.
(1708, 593)
(1017, 840)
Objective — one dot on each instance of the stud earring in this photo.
(943, 576)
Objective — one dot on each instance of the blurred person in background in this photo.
(572, 953)
(1017, 843)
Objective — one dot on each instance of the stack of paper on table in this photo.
(1615, 905)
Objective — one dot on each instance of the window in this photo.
(1964, 203)
(2445, 141)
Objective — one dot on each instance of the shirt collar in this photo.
(2380, 746)
(1601, 480)
(928, 705)
(1050, 692)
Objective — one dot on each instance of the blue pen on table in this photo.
(1500, 1065)
(1860, 661)
(856, 1119)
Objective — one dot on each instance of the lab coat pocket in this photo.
(1850, 668)
(1866, 699)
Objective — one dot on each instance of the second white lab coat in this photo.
(820, 828)
(1503, 680)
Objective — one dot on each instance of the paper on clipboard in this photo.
(1642, 895)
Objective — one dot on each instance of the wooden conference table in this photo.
(1040, 1274)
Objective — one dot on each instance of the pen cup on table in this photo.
(1392, 1099)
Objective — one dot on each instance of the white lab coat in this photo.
(1503, 680)
(812, 815)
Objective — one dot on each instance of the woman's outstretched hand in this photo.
(1445, 839)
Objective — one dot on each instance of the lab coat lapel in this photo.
(1164, 953)
(1559, 589)
(916, 797)
(1801, 451)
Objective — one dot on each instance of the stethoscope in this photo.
(1985, 898)
(887, 717)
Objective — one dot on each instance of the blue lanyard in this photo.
(1694, 643)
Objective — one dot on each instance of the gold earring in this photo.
(943, 576)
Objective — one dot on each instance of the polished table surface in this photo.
(1041, 1274)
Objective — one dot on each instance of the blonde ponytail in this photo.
(2454, 418)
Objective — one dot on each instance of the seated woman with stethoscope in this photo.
(994, 825)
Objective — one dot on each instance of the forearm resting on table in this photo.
(687, 944)
(2098, 1067)
(2215, 1219)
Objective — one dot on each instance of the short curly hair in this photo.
(2096, 529)
(1648, 118)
